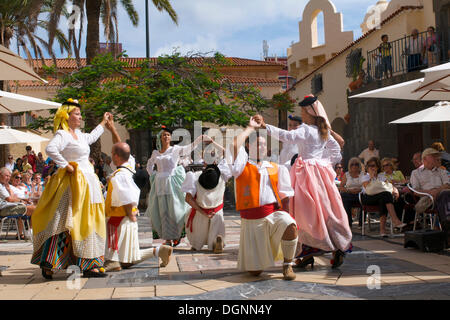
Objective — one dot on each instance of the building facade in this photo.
(360, 120)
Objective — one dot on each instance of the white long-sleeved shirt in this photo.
(63, 148)
(310, 145)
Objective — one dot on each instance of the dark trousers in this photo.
(379, 199)
(349, 200)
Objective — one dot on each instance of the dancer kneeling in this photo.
(204, 193)
(262, 189)
(121, 210)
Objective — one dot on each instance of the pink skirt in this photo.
(317, 207)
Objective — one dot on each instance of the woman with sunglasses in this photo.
(395, 177)
(384, 199)
(351, 186)
(10, 164)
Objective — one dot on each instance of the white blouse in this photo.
(287, 152)
(310, 144)
(63, 148)
(266, 194)
(166, 163)
(353, 183)
(125, 191)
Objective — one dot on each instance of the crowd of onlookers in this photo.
(372, 181)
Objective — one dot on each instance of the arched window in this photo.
(317, 29)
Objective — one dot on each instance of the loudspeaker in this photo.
(426, 240)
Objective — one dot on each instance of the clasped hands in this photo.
(256, 122)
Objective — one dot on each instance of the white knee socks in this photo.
(288, 247)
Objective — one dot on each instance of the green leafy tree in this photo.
(172, 91)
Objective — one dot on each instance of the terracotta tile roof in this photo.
(70, 63)
(390, 17)
(233, 79)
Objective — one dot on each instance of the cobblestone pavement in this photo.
(202, 275)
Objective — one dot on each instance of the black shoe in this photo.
(305, 262)
(93, 274)
(47, 273)
(338, 259)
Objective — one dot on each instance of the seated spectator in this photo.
(435, 181)
(369, 152)
(37, 187)
(10, 164)
(40, 163)
(395, 163)
(17, 186)
(350, 186)
(377, 191)
(339, 173)
(414, 48)
(26, 166)
(417, 160)
(19, 165)
(391, 175)
(430, 178)
(10, 203)
(49, 169)
(27, 178)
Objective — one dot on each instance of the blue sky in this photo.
(233, 27)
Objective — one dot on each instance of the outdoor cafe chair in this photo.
(431, 212)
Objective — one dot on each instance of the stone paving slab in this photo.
(405, 274)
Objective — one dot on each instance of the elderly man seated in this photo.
(10, 203)
(433, 180)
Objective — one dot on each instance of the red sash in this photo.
(113, 239)
(260, 212)
(207, 211)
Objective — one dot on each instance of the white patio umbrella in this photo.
(434, 86)
(440, 112)
(10, 136)
(14, 67)
(13, 102)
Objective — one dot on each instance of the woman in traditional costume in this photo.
(69, 220)
(166, 201)
(317, 205)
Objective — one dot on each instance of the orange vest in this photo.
(247, 186)
(114, 211)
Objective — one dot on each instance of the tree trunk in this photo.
(92, 48)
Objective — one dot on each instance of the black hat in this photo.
(295, 118)
(309, 100)
(210, 176)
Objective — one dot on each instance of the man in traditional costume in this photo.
(204, 193)
(122, 199)
(262, 197)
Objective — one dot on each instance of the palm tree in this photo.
(96, 11)
(22, 20)
(106, 11)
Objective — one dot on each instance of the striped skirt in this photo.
(56, 253)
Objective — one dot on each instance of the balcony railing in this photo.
(404, 55)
